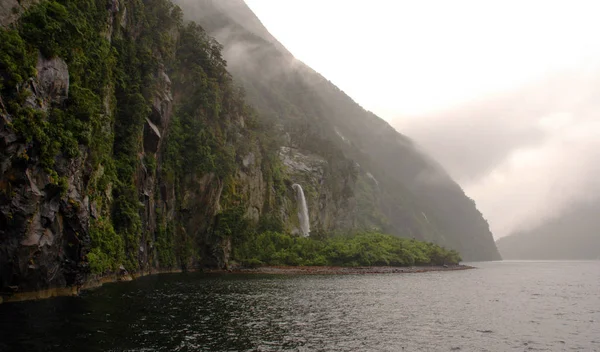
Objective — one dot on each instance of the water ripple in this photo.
(549, 306)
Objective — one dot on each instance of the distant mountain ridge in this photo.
(414, 196)
(572, 235)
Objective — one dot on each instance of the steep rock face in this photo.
(10, 10)
(414, 196)
(200, 205)
(94, 179)
(51, 85)
(44, 222)
(251, 179)
(154, 128)
(330, 199)
(127, 148)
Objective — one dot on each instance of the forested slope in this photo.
(126, 146)
(413, 196)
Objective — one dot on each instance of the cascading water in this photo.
(302, 210)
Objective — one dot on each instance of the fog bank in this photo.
(524, 156)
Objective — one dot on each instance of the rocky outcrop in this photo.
(199, 209)
(147, 181)
(252, 182)
(50, 86)
(46, 215)
(151, 138)
(11, 10)
(160, 115)
(328, 187)
(162, 101)
(44, 220)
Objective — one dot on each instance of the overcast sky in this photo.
(502, 93)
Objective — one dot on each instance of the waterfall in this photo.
(302, 210)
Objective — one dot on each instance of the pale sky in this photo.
(502, 93)
(403, 58)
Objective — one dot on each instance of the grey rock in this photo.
(328, 187)
(49, 208)
(123, 22)
(47, 238)
(113, 11)
(94, 212)
(249, 160)
(162, 101)
(11, 10)
(151, 137)
(52, 80)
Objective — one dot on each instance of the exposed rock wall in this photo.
(119, 201)
(328, 187)
(44, 225)
(10, 10)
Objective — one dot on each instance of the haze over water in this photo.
(502, 306)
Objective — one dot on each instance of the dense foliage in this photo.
(143, 203)
(116, 70)
(73, 31)
(361, 249)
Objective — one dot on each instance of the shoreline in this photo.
(97, 282)
(93, 283)
(339, 270)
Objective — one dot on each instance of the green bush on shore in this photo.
(360, 249)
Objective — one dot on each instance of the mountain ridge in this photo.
(272, 77)
(572, 235)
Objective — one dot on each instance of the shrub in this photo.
(362, 249)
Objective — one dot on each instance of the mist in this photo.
(514, 124)
(526, 155)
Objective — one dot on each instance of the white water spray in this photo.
(302, 210)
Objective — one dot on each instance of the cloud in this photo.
(536, 183)
(524, 156)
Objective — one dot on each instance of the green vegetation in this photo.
(17, 62)
(72, 31)
(115, 76)
(362, 249)
(414, 196)
(165, 239)
(116, 69)
(101, 77)
(107, 247)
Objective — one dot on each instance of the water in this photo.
(302, 210)
(504, 306)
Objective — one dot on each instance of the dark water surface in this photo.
(502, 306)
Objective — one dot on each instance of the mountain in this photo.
(127, 147)
(414, 196)
(575, 234)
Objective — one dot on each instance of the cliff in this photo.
(398, 189)
(126, 146)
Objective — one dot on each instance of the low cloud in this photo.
(524, 156)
